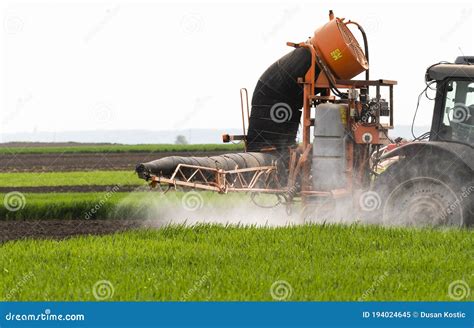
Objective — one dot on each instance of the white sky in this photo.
(69, 65)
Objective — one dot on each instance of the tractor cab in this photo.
(453, 116)
(432, 182)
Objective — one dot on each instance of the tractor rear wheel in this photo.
(418, 194)
(424, 201)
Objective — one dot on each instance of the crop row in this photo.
(74, 178)
(119, 148)
(112, 204)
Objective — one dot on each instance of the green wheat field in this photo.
(210, 262)
(216, 263)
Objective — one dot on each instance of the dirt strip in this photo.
(80, 188)
(85, 161)
(60, 229)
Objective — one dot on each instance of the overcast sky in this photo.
(69, 65)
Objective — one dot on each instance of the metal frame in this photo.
(262, 179)
(324, 81)
(265, 179)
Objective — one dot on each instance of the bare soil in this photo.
(85, 161)
(30, 144)
(60, 229)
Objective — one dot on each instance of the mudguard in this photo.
(435, 149)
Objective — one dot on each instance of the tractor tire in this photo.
(423, 193)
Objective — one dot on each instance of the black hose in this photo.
(366, 47)
(276, 103)
(166, 166)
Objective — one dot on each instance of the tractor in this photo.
(431, 182)
(316, 135)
